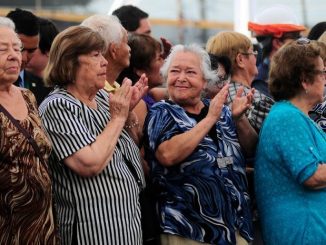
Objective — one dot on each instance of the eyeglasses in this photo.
(320, 72)
(303, 41)
(254, 53)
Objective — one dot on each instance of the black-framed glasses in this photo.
(303, 41)
(254, 53)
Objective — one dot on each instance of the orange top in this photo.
(276, 30)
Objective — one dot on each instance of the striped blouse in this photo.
(103, 209)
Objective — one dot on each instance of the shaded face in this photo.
(37, 63)
(316, 89)
(123, 49)
(91, 73)
(250, 64)
(290, 36)
(185, 79)
(153, 74)
(30, 44)
(10, 55)
(144, 27)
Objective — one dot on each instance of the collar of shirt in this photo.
(22, 82)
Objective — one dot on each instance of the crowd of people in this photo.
(105, 128)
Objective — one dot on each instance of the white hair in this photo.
(205, 63)
(108, 26)
(6, 22)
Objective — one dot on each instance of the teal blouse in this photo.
(290, 148)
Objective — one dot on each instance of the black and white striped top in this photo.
(104, 208)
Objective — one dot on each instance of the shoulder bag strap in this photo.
(25, 133)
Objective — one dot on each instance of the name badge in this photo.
(222, 162)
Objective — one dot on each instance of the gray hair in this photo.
(108, 26)
(6, 22)
(205, 63)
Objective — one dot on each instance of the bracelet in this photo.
(132, 125)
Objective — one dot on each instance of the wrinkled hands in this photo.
(120, 101)
(217, 103)
(241, 103)
(138, 91)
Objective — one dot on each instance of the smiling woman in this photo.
(96, 193)
(194, 150)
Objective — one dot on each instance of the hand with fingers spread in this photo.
(120, 101)
(138, 90)
(217, 103)
(241, 103)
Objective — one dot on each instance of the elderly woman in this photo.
(25, 188)
(239, 49)
(196, 160)
(290, 170)
(95, 163)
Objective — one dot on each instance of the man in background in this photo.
(28, 30)
(273, 27)
(135, 20)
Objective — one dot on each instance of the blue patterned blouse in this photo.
(205, 197)
(318, 114)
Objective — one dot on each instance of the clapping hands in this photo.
(138, 91)
(241, 103)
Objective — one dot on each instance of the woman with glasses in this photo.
(239, 49)
(95, 165)
(290, 169)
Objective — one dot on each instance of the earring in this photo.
(307, 91)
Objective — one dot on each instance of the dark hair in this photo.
(317, 30)
(130, 17)
(290, 65)
(266, 42)
(143, 50)
(67, 46)
(224, 60)
(48, 31)
(26, 22)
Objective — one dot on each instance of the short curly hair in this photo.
(65, 50)
(292, 64)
